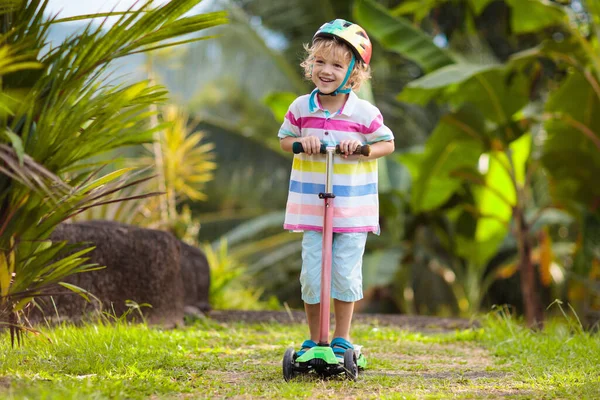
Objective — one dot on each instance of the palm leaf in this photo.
(399, 35)
(68, 113)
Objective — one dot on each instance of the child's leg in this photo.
(348, 249)
(343, 318)
(310, 280)
(313, 317)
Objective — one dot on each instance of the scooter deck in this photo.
(324, 353)
(323, 358)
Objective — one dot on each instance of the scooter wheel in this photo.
(350, 366)
(288, 364)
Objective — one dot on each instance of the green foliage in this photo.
(183, 162)
(279, 103)
(187, 162)
(447, 150)
(562, 356)
(479, 157)
(229, 287)
(421, 9)
(496, 93)
(572, 146)
(487, 100)
(381, 267)
(399, 35)
(61, 114)
(442, 82)
(570, 113)
(528, 16)
(572, 149)
(479, 5)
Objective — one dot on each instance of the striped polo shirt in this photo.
(356, 203)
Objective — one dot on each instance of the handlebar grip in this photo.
(363, 150)
(297, 148)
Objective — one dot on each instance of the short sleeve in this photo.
(291, 124)
(378, 131)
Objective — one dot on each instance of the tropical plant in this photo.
(481, 149)
(180, 163)
(230, 287)
(60, 111)
(185, 167)
(181, 160)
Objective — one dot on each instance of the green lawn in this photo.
(216, 360)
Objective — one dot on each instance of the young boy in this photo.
(337, 63)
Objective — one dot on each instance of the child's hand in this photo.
(347, 147)
(311, 144)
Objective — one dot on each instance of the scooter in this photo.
(321, 358)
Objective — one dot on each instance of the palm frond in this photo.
(8, 6)
(67, 113)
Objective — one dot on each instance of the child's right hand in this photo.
(311, 144)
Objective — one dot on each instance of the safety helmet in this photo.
(351, 34)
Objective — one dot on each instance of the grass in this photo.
(216, 360)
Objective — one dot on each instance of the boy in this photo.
(337, 63)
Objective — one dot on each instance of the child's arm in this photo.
(311, 144)
(381, 149)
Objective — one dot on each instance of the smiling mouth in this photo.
(326, 80)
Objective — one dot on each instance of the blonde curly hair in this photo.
(326, 47)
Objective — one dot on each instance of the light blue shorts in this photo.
(346, 266)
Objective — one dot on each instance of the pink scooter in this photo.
(321, 358)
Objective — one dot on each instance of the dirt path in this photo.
(401, 364)
(408, 322)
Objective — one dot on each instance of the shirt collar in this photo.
(314, 105)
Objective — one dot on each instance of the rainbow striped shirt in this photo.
(356, 205)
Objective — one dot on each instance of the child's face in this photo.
(329, 69)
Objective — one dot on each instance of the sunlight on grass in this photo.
(563, 358)
(208, 359)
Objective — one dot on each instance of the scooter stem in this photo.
(326, 250)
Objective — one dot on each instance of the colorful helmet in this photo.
(352, 34)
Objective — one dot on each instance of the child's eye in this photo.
(338, 65)
(318, 61)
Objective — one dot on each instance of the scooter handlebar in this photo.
(362, 150)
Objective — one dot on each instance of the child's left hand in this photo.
(348, 147)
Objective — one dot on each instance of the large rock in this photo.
(196, 279)
(142, 265)
(194, 268)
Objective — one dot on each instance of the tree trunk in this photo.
(534, 314)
